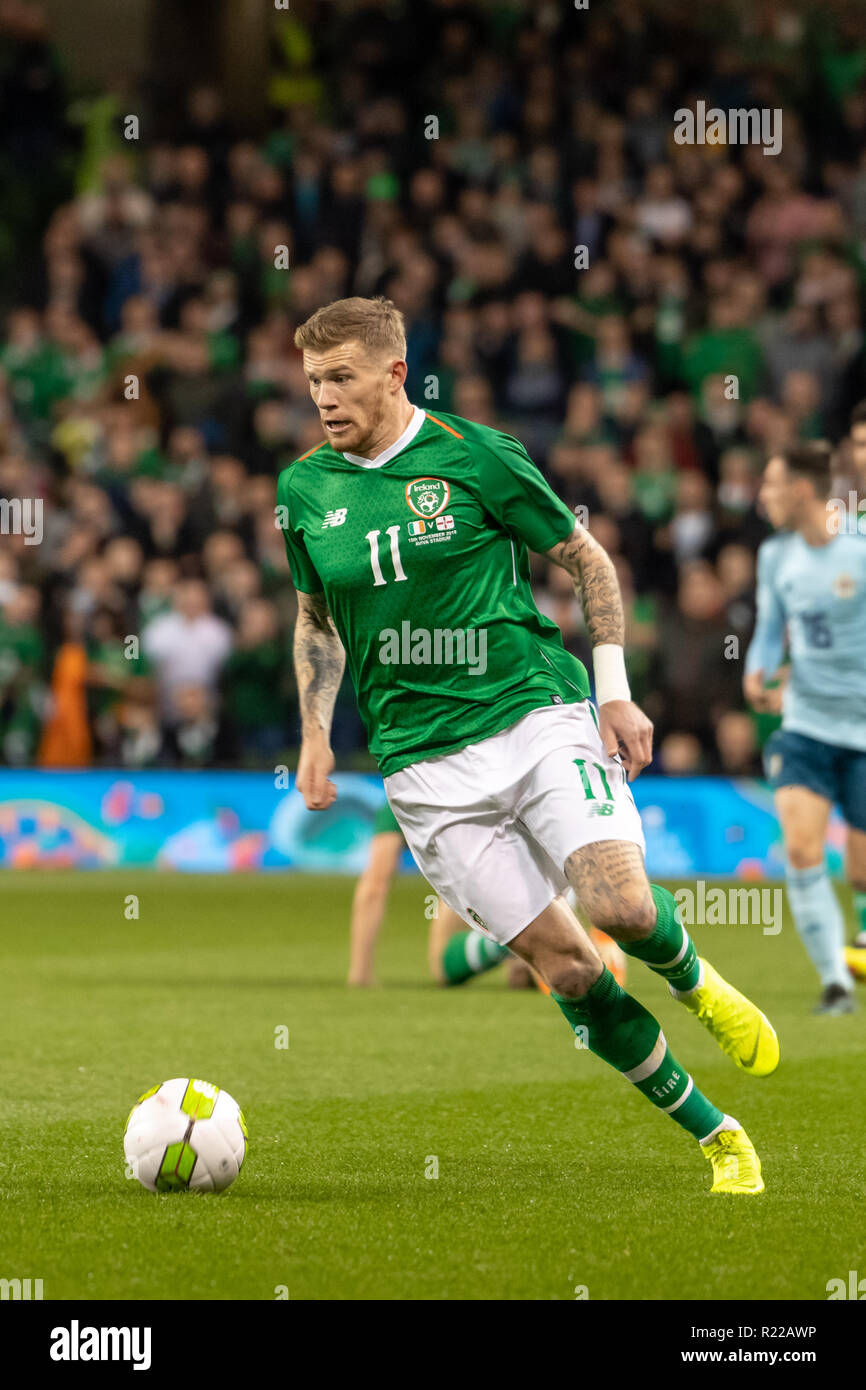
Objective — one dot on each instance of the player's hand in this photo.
(313, 781)
(760, 696)
(626, 730)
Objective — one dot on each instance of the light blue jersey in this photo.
(813, 598)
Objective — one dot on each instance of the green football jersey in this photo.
(423, 558)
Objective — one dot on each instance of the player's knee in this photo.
(372, 886)
(804, 854)
(631, 918)
(855, 863)
(572, 977)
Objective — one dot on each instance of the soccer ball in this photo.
(185, 1135)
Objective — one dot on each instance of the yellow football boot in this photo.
(736, 1166)
(738, 1026)
(855, 959)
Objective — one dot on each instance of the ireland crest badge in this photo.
(427, 496)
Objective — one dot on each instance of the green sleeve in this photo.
(304, 575)
(514, 492)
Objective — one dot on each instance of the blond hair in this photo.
(376, 323)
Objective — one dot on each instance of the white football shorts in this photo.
(492, 825)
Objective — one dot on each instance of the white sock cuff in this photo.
(804, 878)
(650, 1064)
(472, 948)
(727, 1123)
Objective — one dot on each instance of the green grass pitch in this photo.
(553, 1173)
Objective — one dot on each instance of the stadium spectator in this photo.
(150, 393)
(738, 754)
(254, 681)
(188, 648)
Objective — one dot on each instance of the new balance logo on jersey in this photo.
(335, 518)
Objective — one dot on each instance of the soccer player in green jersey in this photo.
(408, 536)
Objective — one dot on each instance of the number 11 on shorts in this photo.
(589, 794)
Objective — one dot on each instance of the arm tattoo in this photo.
(595, 583)
(319, 663)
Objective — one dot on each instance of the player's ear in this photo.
(398, 373)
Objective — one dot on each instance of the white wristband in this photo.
(611, 681)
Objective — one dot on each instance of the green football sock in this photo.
(860, 909)
(468, 953)
(669, 950)
(613, 1025)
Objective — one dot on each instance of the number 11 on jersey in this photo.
(373, 538)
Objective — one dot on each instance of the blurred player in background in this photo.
(812, 587)
(455, 954)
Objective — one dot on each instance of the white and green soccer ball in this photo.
(185, 1135)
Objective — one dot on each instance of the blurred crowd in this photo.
(452, 155)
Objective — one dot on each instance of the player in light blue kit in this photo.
(812, 598)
